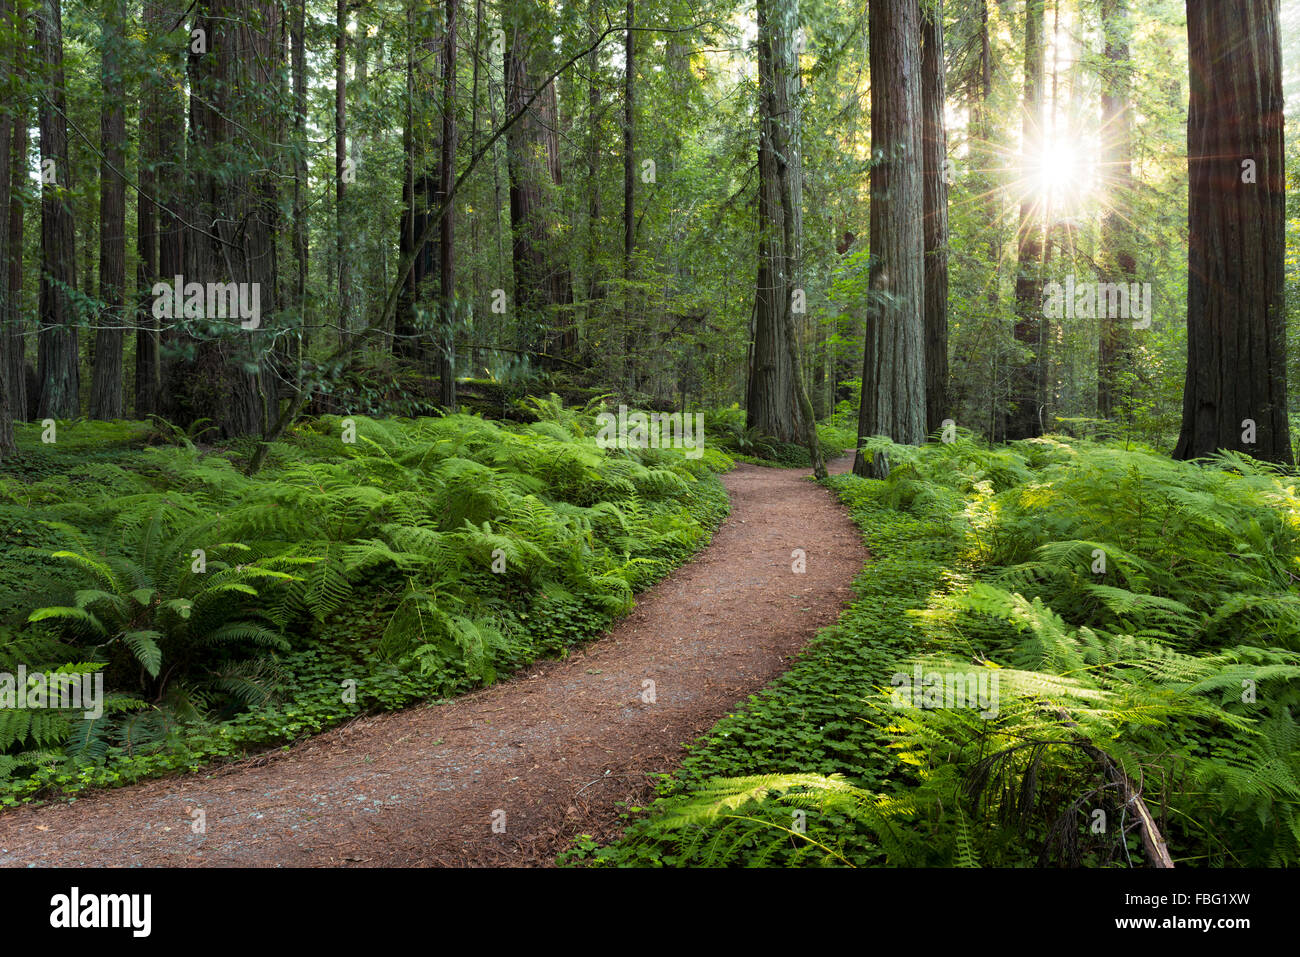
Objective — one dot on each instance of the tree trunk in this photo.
(57, 360)
(1236, 323)
(9, 34)
(146, 229)
(106, 378)
(633, 344)
(298, 57)
(420, 187)
(15, 183)
(893, 368)
(234, 164)
(169, 178)
(1027, 387)
(446, 245)
(340, 166)
(1114, 357)
(771, 405)
(935, 187)
(543, 290)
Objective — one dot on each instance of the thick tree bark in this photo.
(106, 378)
(1236, 324)
(543, 288)
(1024, 418)
(771, 405)
(233, 136)
(893, 368)
(58, 371)
(935, 187)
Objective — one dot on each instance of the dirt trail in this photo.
(545, 755)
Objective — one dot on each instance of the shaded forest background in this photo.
(604, 229)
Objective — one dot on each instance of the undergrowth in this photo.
(1093, 626)
(369, 565)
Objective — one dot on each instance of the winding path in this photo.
(506, 775)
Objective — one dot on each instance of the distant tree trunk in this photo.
(298, 55)
(543, 287)
(420, 186)
(234, 139)
(893, 368)
(340, 167)
(594, 290)
(632, 345)
(170, 186)
(771, 405)
(1027, 386)
(106, 378)
(146, 229)
(935, 187)
(1114, 346)
(446, 245)
(15, 185)
(1236, 387)
(57, 360)
(9, 34)
(361, 228)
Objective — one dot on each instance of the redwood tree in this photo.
(543, 287)
(1114, 352)
(1235, 396)
(57, 369)
(1027, 385)
(935, 188)
(106, 378)
(893, 366)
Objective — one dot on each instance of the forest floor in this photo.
(511, 774)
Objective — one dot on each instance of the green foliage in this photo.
(425, 558)
(1173, 661)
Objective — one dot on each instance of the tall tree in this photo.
(893, 367)
(15, 324)
(935, 187)
(631, 339)
(9, 33)
(1114, 344)
(16, 183)
(1236, 391)
(106, 377)
(298, 64)
(446, 237)
(543, 288)
(234, 163)
(1024, 419)
(146, 228)
(771, 400)
(57, 368)
(420, 141)
(341, 174)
